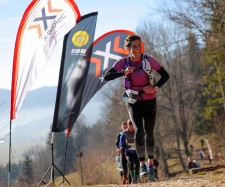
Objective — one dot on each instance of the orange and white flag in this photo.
(43, 24)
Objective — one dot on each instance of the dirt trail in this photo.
(203, 178)
(179, 182)
(185, 182)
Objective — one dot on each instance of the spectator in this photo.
(202, 155)
(190, 163)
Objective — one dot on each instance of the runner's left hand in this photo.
(149, 89)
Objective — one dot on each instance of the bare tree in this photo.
(206, 18)
(177, 99)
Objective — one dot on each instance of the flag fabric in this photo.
(43, 24)
(77, 48)
(88, 77)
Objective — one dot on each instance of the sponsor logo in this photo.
(78, 51)
(108, 51)
(80, 38)
(42, 21)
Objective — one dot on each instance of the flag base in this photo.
(51, 168)
(52, 183)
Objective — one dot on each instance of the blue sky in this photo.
(112, 15)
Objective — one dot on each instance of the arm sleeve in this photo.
(118, 141)
(112, 74)
(164, 77)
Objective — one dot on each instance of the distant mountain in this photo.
(4, 100)
(34, 120)
(40, 97)
(46, 96)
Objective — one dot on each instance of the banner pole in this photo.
(10, 151)
(65, 155)
(52, 170)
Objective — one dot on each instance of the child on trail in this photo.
(121, 155)
(127, 145)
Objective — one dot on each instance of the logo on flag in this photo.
(44, 22)
(48, 14)
(73, 71)
(80, 38)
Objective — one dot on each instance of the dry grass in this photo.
(95, 168)
(217, 176)
(99, 169)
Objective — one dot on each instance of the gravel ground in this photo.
(186, 182)
(180, 182)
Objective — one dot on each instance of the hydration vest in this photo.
(145, 66)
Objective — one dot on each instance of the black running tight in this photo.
(143, 115)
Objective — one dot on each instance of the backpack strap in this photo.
(126, 80)
(148, 69)
(146, 65)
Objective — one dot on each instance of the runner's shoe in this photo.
(151, 171)
(124, 180)
(143, 170)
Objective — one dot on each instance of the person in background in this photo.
(202, 155)
(190, 163)
(127, 146)
(191, 149)
(140, 95)
(122, 157)
(202, 143)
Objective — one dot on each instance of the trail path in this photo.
(213, 176)
(179, 182)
